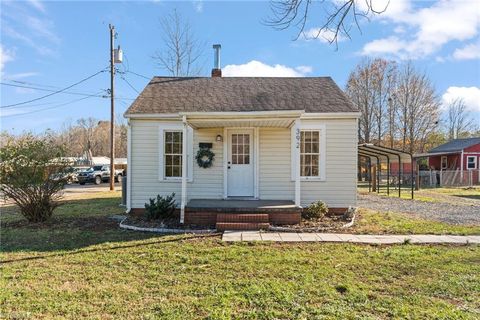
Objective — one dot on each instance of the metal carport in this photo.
(369, 151)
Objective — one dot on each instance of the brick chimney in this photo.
(216, 71)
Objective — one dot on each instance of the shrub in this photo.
(31, 174)
(161, 207)
(316, 210)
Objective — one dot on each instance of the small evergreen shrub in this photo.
(160, 208)
(316, 210)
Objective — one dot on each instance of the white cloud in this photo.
(428, 28)
(37, 5)
(470, 51)
(470, 95)
(326, 36)
(304, 69)
(22, 75)
(198, 5)
(5, 56)
(259, 69)
(34, 29)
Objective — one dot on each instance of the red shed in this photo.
(457, 154)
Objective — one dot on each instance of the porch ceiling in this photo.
(252, 122)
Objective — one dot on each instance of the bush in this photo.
(161, 207)
(316, 210)
(30, 167)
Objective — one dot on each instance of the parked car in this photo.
(98, 174)
(70, 175)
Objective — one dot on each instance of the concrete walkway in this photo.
(231, 236)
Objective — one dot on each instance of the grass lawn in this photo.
(80, 265)
(427, 194)
(370, 221)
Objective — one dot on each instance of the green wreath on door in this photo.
(205, 158)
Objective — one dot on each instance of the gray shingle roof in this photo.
(172, 95)
(456, 145)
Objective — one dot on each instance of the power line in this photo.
(56, 92)
(53, 107)
(139, 75)
(129, 84)
(46, 90)
(65, 92)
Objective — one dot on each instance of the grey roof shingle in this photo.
(456, 145)
(172, 95)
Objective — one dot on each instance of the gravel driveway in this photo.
(464, 212)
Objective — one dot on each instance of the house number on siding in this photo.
(297, 136)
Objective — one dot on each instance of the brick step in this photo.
(242, 217)
(222, 226)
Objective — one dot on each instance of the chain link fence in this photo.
(449, 178)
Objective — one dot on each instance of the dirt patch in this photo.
(82, 223)
(332, 223)
(169, 223)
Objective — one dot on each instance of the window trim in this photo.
(475, 162)
(163, 127)
(441, 162)
(322, 151)
(310, 153)
(164, 154)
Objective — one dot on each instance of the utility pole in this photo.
(112, 110)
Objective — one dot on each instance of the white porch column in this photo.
(297, 162)
(184, 170)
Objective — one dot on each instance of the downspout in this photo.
(184, 170)
(129, 167)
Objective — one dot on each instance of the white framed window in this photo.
(172, 154)
(444, 163)
(472, 162)
(309, 153)
(170, 140)
(312, 141)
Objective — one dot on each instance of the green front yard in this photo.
(373, 222)
(81, 265)
(427, 194)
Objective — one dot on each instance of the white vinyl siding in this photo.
(340, 186)
(145, 167)
(274, 166)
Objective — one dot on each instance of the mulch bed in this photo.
(169, 223)
(331, 223)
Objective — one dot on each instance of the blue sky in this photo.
(51, 45)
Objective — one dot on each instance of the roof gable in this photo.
(225, 94)
(456, 145)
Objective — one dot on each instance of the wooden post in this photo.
(112, 111)
(374, 178)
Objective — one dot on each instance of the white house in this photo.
(280, 142)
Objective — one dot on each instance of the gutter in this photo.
(247, 114)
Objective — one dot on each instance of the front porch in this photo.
(234, 214)
(238, 143)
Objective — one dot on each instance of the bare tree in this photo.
(338, 16)
(181, 50)
(92, 136)
(458, 120)
(369, 87)
(418, 108)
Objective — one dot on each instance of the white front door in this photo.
(240, 167)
